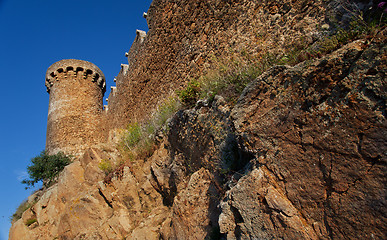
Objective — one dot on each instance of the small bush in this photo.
(46, 168)
(31, 221)
(133, 135)
(230, 82)
(363, 25)
(164, 112)
(190, 94)
(228, 77)
(24, 206)
(106, 166)
(138, 140)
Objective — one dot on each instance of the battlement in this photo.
(77, 66)
(124, 68)
(140, 36)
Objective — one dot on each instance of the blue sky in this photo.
(34, 35)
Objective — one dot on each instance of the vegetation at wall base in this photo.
(133, 135)
(190, 93)
(230, 76)
(139, 139)
(363, 25)
(46, 168)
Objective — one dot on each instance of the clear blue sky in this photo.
(34, 35)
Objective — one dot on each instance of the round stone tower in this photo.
(76, 91)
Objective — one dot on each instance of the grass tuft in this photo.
(24, 206)
(106, 166)
(138, 140)
(31, 221)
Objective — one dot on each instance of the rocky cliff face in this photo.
(317, 132)
(302, 155)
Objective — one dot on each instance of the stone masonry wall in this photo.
(75, 109)
(187, 38)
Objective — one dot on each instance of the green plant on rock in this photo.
(24, 206)
(31, 221)
(230, 76)
(164, 112)
(363, 25)
(134, 139)
(132, 135)
(138, 140)
(190, 94)
(106, 166)
(46, 168)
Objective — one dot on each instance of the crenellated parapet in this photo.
(124, 69)
(77, 68)
(136, 46)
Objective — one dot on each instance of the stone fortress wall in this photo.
(179, 46)
(186, 39)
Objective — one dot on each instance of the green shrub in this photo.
(228, 77)
(46, 168)
(164, 112)
(133, 135)
(106, 166)
(24, 206)
(359, 27)
(190, 94)
(230, 83)
(139, 139)
(31, 221)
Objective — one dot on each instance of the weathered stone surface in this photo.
(90, 163)
(319, 128)
(255, 208)
(70, 208)
(193, 207)
(20, 231)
